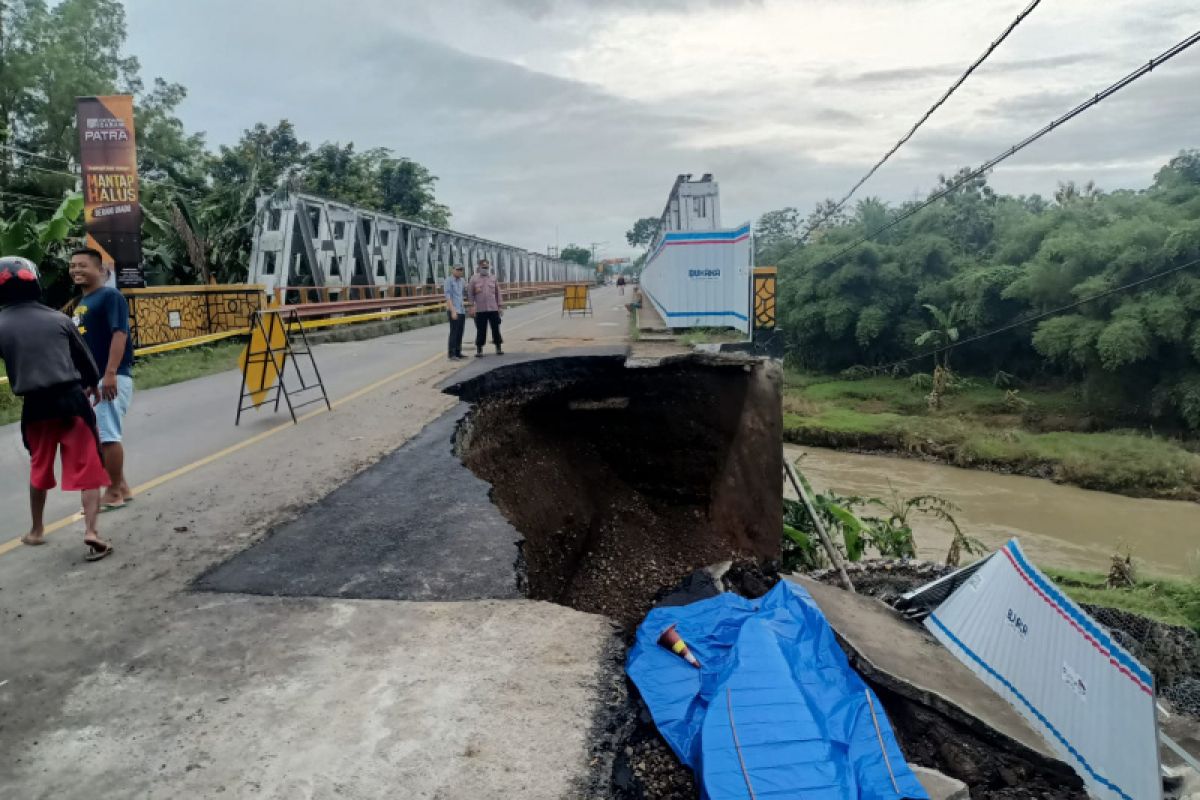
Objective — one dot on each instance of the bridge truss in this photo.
(305, 240)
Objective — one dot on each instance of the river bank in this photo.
(1048, 434)
(1070, 533)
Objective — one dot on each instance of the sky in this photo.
(566, 120)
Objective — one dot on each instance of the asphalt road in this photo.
(119, 680)
(176, 425)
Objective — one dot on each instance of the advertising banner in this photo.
(108, 157)
(1090, 699)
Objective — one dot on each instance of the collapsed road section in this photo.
(622, 480)
(590, 483)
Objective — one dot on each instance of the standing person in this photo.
(102, 316)
(50, 367)
(456, 310)
(484, 292)
(621, 285)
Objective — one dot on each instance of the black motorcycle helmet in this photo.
(19, 281)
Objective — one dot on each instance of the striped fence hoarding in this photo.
(700, 279)
(1090, 699)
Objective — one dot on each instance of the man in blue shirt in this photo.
(456, 312)
(102, 316)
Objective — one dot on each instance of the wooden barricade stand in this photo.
(576, 299)
(276, 338)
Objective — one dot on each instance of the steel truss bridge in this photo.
(305, 240)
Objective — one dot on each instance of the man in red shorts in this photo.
(52, 370)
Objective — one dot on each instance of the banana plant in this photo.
(943, 334)
(24, 235)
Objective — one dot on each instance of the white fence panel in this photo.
(699, 279)
(1091, 700)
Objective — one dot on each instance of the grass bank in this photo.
(152, 371)
(1046, 434)
(1173, 601)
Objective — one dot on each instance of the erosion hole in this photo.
(623, 480)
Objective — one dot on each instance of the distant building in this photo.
(692, 205)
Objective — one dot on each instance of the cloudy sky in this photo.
(575, 116)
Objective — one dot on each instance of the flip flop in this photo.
(25, 541)
(106, 507)
(99, 550)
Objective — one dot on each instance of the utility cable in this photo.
(1039, 316)
(925, 117)
(1019, 146)
(17, 198)
(77, 175)
(35, 155)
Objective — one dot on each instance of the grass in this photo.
(695, 336)
(980, 427)
(152, 371)
(1173, 601)
(184, 365)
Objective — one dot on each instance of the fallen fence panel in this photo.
(1090, 699)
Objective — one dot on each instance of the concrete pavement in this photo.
(118, 680)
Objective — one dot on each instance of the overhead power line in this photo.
(1041, 315)
(18, 198)
(153, 181)
(938, 104)
(32, 154)
(1019, 146)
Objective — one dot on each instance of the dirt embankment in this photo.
(622, 481)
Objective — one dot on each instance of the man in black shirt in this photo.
(51, 369)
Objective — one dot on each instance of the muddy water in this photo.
(1058, 525)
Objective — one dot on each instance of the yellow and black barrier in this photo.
(277, 338)
(576, 299)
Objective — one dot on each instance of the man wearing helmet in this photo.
(50, 367)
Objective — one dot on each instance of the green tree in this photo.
(335, 171)
(776, 231)
(266, 157)
(166, 152)
(407, 190)
(573, 252)
(988, 260)
(643, 232)
(76, 50)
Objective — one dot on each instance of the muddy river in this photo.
(1058, 525)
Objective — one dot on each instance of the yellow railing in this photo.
(163, 315)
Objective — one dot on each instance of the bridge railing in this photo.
(401, 295)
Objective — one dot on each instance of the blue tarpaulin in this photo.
(775, 711)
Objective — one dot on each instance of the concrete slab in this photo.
(939, 786)
(252, 697)
(906, 659)
(648, 318)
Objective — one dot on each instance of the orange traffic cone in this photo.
(671, 640)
